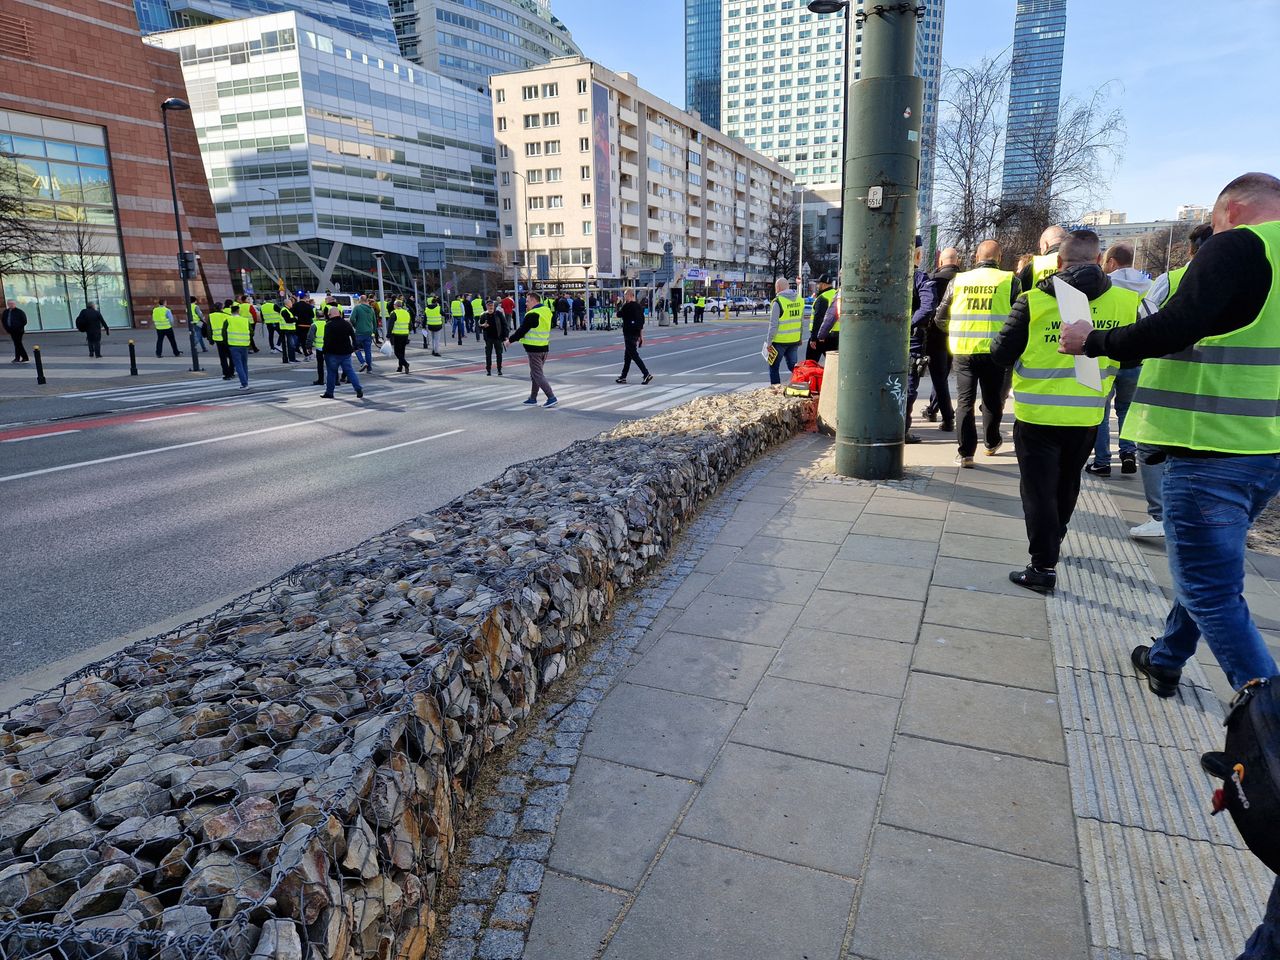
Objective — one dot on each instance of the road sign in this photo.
(544, 266)
(431, 255)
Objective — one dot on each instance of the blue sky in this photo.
(1196, 81)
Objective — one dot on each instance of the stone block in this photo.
(736, 618)
(862, 615)
(990, 657)
(1025, 723)
(572, 919)
(765, 581)
(894, 551)
(1022, 616)
(704, 666)
(841, 660)
(877, 579)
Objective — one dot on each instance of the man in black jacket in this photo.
(936, 344)
(632, 316)
(493, 325)
(14, 322)
(339, 344)
(89, 322)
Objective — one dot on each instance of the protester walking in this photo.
(632, 316)
(270, 313)
(249, 310)
(303, 313)
(477, 311)
(340, 340)
(218, 318)
(14, 322)
(433, 314)
(1045, 263)
(196, 319)
(315, 336)
(365, 324)
(289, 331)
(399, 336)
(821, 304)
(493, 326)
(162, 320)
(936, 345)
(239, 324)
(91, 323)
(1056, 416)
(534, 334)
(457, 313)
(923, 307)
(786, 316)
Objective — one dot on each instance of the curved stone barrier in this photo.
(281, 779)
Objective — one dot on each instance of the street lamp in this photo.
(173, 103)
(523, 214)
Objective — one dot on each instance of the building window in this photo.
(553, 147)
(555, 229)
(533, 176)
(583, 115)
(532, 121)
(586, 228)
(586, 172)
(502, 124)
(500, 96)
(506, 179)
(537, 229)
(551, 119)
(582, 86)
(533, 149)
(506, 230)
(551, 89)
(529, 93)
(586, 199)
(535, 203)
(584, 144)
(506, 203)
(553, 174)
(503, 152)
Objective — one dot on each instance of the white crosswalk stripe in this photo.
(166, 391)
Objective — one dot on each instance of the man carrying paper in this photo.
(1058, 401)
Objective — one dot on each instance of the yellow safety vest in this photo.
(1043, 265)
(238, 330)
(455, 308)
(979, 308)
(217, 321)
(1222, 394)
(539, 336)
(160, 318)
(790, 319)
(701, 302)
(1045, 389)
(193, 311)
(477, 307)
(828, 297)
(1175, 280)
(318, 326)
(286, 320)
(435, 315)
(401, 325)
(270, 315)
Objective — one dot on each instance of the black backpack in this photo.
(1249, 767)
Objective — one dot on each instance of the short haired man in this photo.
(632, 316)
(821, 304)
(534, 334)
(1045, 263)
(786, 317)
(939, 352)
(14, 321)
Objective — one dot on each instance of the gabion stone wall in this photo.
(282, 779)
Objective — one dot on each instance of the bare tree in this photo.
(83, 255)
(777, 245)
(20, 234)
(1164, 250)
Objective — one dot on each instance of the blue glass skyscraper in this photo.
(1035, 87)
(702, 59)
(365, 19)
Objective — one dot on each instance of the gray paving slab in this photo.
(989, 549)
(1004, 719)
(790, 808)
(716, 557)
(1005, 508)
(1001, 528)
(614, 820)
(862, 615)
(738, 533)
(849, 662)
(1017, 616)
(876, 579)
(891, 550)
(847, 727)
(981, 575)
(764, 493)
(927, 898)
(692, 585)
(811, 529)
(991, 657)
(842, 492)
(706, 902)
(737, 618)
(706, 666)
(822, 509)
(659, 730)
(790, 554)
(753, 511)
(922, 508)
(902, 528)
(766, 582)
(572, 919)
(1008, 803)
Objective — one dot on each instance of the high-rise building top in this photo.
(1035, 87)
(365, 19)
(1194, 211)
(702, 59)
(470, 40)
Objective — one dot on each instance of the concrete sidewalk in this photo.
(836, 730)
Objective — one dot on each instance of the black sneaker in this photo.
(648, 378)
(947, 426)
(911, 438)
(1128, 463)
(1163, 683)
(621, 380)
(992, 451)
(1098, 471)
(1216, 764)
(1041, 581)
(931, 416)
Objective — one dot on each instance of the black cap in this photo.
(827, 279)
(919, 240)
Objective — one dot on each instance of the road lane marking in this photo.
(39, 436)
(721, 363)
(407, 443)
(178, 446)
(166, 416)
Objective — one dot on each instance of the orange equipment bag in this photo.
(806, 380)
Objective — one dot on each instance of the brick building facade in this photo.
(69, 63)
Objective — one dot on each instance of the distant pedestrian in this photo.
(509, 308)
(249, 310)
(339, 343)
(477, 311)
(289, 331)
(303, 313)
(91, 324)
(632, 316)
(923, 306)
(270, 313)
(365, 324)
(218, 318)
(162, 320)
(239, 324)
(1045, 264)
(196, 319)
(936, 345)
(399, 337)
(458, 314)
(433, 325)
(493, 324)
(579, 314)
(316, 337)
(821, 303)
(534, 334)
(786, 317)
(15, 324)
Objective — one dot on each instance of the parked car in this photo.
(716, 305)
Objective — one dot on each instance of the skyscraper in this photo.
(929, 69)
(1035, 85)
(365, 19)
(702, 59)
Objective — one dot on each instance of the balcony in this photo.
(626, 115)
(628, 142)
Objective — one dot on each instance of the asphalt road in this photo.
(172, 496)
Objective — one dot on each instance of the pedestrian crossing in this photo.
(156, 392)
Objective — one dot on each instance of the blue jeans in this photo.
(240, 361)
(198, 332)
(1125, 385)
(786, 351)
(1152, 482)
(459, 328)
(1265, 942)
(332, 364)
(1209, 505)
(364, 351)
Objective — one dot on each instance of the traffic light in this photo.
(187, 266)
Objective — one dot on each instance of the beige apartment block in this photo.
(598, 174)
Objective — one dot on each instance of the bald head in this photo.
(781, 286)
(1052, 238)
(988, 250)
(1249, 198)
(1079, 247)
(949, 257)
(1118, 256)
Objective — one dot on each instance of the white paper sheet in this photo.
(1074, 306)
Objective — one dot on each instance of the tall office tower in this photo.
(1035, 84)
(702, 59)
(365, 19)
(929, 69)
(469, 40)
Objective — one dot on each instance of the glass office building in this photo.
(321, 149)
(1035, 86)
(366, 19)
(702, 59)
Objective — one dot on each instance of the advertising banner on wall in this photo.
(604, 182)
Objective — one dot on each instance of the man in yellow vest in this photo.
(786, 317)
(477, 311)
(699, 308)
(534, 334)
(239, 333)
(1044, 264)
(162, 320)
(1056, 416)
(458, 312)
(271, 320)
(289, 332)
(316, 337)
(218, 317)
(973, 311)
(433, 313)
(821, 304)
(197, 324)
(400, 322)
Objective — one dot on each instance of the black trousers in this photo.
(631, 356)
(224, 359)
(979, 373)
(321, 373)
(95, 346)
(1050, 462)
(19, 351)
(161, 337)
(492, 347)
(398, 342)
(271, 336)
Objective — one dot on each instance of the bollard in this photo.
(133, 359)
(39, 366)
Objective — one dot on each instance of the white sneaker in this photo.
(1151, 530)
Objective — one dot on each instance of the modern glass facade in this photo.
(929, 68)
(470, 40)
(365, 19)
(1035, 86)
(62, 171)
(321, 149)
(702, 59)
